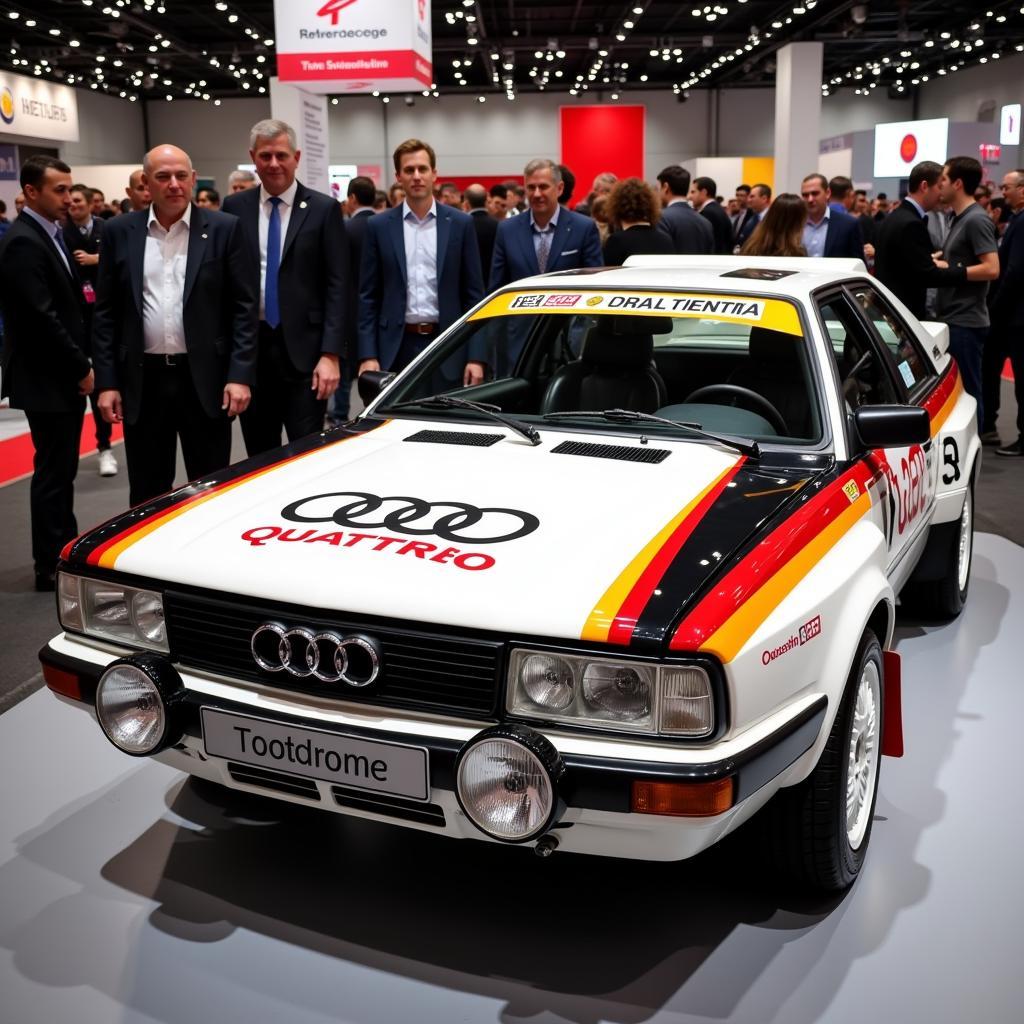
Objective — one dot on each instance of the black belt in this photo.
(421, 329)
(167, 358)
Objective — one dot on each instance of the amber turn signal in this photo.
(682, 799)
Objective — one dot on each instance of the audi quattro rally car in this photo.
(613, 600)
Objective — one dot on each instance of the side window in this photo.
(911, 366)
(863, 378)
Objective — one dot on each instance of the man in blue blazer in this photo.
(828, 232)
(550, 238)
(420, 272)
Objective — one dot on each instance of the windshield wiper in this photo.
(485, 409)
(740, 444)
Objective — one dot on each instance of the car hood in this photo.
(472, 529)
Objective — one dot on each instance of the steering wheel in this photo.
(741, 396)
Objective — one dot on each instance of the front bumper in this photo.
(596, 786)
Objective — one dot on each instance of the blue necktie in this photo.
(59, 241)
(271, 305)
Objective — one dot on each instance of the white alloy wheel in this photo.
(963, 565)
(864, 750)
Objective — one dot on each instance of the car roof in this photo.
(797, 276)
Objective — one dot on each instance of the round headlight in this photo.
(148, 613)
(130, 709)
(506, 783)
(619, 690)
(548, 681)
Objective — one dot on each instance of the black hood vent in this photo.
(621, 453)
(455, 437)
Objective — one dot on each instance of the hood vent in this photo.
(455, 437)
(611, 451)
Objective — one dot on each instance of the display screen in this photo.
(900, 145)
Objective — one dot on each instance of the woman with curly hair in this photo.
(634, 209)
(782, 230)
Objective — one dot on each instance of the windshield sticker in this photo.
(907, 374)
(742, 309)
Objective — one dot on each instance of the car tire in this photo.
(950, 546)
(811, 834)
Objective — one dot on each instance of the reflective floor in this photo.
(129, 894)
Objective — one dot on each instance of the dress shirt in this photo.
(284, 210)
(51, 228)
(815, 235)
(549, 230)
(421, 302)
(85, 229)
(163, 285)
(917, 206)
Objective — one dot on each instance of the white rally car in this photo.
(614, 600)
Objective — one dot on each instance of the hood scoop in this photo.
(620, 453)
(455, 437)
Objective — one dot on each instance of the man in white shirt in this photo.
(174, 329)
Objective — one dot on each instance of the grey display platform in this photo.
(127, 894)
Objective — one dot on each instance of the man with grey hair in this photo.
(297, 240)
(546, 239)
(174, 328)
(240, 180)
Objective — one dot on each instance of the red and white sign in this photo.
(901, 144)
(989, 153)
(354, 46)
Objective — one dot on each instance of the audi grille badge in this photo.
(353, 659)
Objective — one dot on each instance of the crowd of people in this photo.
(174, 310)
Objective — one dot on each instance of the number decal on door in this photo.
(950, 460)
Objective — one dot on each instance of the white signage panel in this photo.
(901, 144)
(43, 110)
(354, 46)
(307, 113)
(1009, 125)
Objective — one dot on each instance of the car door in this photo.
(870, 375)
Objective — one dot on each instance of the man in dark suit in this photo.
(903, 250)
(485, 226)
(827, 232)
(420, 272)
(691, 234)
(359, 200)
(297, 239)
(46, 371)
(174, 330)
(547, 239)
(82, 234)
(702, 195)
(745, 220)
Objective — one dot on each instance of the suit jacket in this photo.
(486, 228)
(576, 244)
(747, 226)
(383, 284)
(903, 259)
(219, 308)
(843, 238)
(1007, 305)
(691, 234)
(90, 243)
(721, 226)
(312, 282)
(45, 336)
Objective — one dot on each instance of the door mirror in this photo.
(372, 383)
(891, 426)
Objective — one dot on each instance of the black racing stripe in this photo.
(761, 498)
(88, 542)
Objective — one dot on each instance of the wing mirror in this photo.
(891, 426)
(372, 383)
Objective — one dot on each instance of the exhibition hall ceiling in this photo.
(157, 49)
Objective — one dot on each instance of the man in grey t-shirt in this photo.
(971, 243)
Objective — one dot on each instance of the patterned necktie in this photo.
(543, 250)
(271, 305)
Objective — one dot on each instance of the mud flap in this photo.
(892, 738)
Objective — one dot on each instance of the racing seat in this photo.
(615, 369)
(774, 370)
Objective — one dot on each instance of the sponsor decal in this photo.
(562, 300)
(851, 490)
(527, 302)
(908, 483)
(808, 631)
(595, 300)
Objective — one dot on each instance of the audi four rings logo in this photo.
(354, 659)
(450, 520)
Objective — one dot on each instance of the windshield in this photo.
(733, 364)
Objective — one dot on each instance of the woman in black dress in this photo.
(634, 210)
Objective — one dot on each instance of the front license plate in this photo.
(317, 754)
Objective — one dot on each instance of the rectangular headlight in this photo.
(112, 611)
(610, 693)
